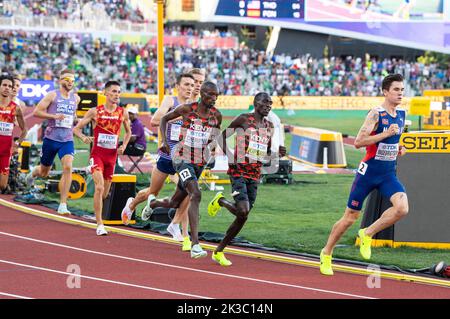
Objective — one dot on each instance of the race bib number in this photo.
(196, 139)
(175, 130)
(386, 152)
(108, 141)
(362, 168)
(66, 123)
(256, 151)
(185, 174)
(6, 129)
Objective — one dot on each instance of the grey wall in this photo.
(427, 181)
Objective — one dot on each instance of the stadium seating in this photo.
(237, 72)
(65, 9)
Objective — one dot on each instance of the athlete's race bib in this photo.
(256, 151)
(66, 123)
(6, 129)
(175, 130)
(386, 152)
(362, 168)
(108, 141)
(196, 139)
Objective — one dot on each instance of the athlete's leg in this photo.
(156, 184)
(4, 171)
(106, 188)
(3, 181)
(339, 229)
(66, 177)
(195, 196)
(41, 171)
(99, 183)
(181, 215)
(391, 215)
(390, 188)
(361, 187)
(49, 150)
(241, 213)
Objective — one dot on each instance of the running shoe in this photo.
(174, 230)
(220, 258)
(126, 212)
(325, 264)
(147, 211)
(29, 179)
(62, 209)
(213, 206)
(365, 244)
(187, 244)
(198, 252)
(101, 231)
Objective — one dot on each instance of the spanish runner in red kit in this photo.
(108, 120)
(9, 112)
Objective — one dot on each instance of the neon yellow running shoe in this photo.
(325, 264)
(213, 206)
(187, 245)
(365, 244)
(220, 258)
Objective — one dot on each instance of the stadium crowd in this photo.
(237, 72)
(65, 9)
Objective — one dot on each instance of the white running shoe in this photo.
(147, 211)
(62, 209)
(198, 252)
(29, 179)
(101, 231)
(126, 212)
(174, 230)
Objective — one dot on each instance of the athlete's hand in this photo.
(165, 148)
(59, 117)
(87, 139)
(392, 130)
(120, 150)
(282, 151)
(402, 150)
(15, 148)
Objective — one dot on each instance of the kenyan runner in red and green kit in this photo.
(253, 133)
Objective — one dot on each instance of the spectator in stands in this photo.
(66, 9)
(243, 71)
(137, 144)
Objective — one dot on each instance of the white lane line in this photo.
(103, 280)
(14, 296)
(187, 268)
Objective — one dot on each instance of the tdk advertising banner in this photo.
(35, 90)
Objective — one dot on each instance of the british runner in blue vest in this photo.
(164, 167)
(380, 134)
(59, 108)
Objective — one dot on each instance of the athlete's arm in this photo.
(77, 130)
(41, 109)
(22, 105)
(281, 149)
(370, 124)
(237, 122)
(75, 119)
(166, 104)
(216, 135)
(176, 113)
(127, 136)
(23, 127)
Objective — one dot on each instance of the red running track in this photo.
(36, 255)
